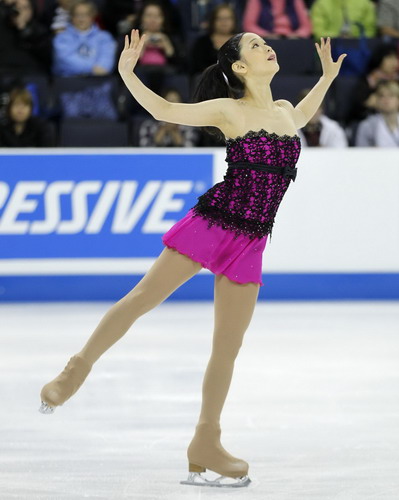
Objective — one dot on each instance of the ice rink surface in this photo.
(313, 406)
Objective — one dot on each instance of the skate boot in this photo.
(206, 452)
(59, 390)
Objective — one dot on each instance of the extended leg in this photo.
(170, 270)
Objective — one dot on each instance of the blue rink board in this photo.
(277, 286)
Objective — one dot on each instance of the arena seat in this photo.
(93, 133)
(295, 57)
(343, 88)
(103, 105)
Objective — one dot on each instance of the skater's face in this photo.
(257, 58)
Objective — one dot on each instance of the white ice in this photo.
(313, 406)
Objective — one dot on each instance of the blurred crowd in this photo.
(59, 85)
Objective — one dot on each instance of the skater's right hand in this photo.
(131, 52)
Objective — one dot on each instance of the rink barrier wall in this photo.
(84, 224)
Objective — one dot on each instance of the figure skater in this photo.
(226, 231)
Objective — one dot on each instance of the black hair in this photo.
(213, 84)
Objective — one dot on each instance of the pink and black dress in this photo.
(227, 229)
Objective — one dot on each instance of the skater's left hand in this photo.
(330, 68)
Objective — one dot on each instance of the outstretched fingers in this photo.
(132, 41)
(323, 44)
(135, 41)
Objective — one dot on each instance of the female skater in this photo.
(225, 231)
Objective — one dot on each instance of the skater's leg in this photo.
(234, 306)
(169, 272)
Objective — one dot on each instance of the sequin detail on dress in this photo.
(247, 200)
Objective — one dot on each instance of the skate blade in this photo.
(196, 479)
(46, 409)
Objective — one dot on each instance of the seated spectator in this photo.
(382, 129)
(83, 48)
(321, 130)
(25, 44)
(162, 53)
(383, 65)
(277, 18)
(345, 19)
(222, 26)
(388, 18)
(161, 48)
(21, 128)
(153, 133)
(120, 16)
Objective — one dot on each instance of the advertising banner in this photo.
(100, 206)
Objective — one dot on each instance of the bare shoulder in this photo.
(294, 113)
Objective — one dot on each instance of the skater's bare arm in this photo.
(204, 113)
(305, 110)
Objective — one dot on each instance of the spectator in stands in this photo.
(25, 44)
(163, 53)
(21, 128)
(83, 48)
(161, 134)
(277, 18)
(383, 65)
(222, 26)
(343, 18)
(321, 130)
(382, 128)
(120, 16)
(161, 47)
(388, 18)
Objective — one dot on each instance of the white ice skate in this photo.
(195, 478)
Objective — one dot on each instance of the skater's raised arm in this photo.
(199, 114)
(305, 110)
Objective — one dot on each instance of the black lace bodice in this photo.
(247, 200)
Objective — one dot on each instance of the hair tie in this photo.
(224, 76)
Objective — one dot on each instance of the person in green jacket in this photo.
(343, 18)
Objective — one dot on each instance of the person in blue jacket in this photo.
(83, 48)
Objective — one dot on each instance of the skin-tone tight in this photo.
(234, 306)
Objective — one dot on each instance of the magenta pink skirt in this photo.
(216, 249)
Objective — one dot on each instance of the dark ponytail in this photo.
(219, 80)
